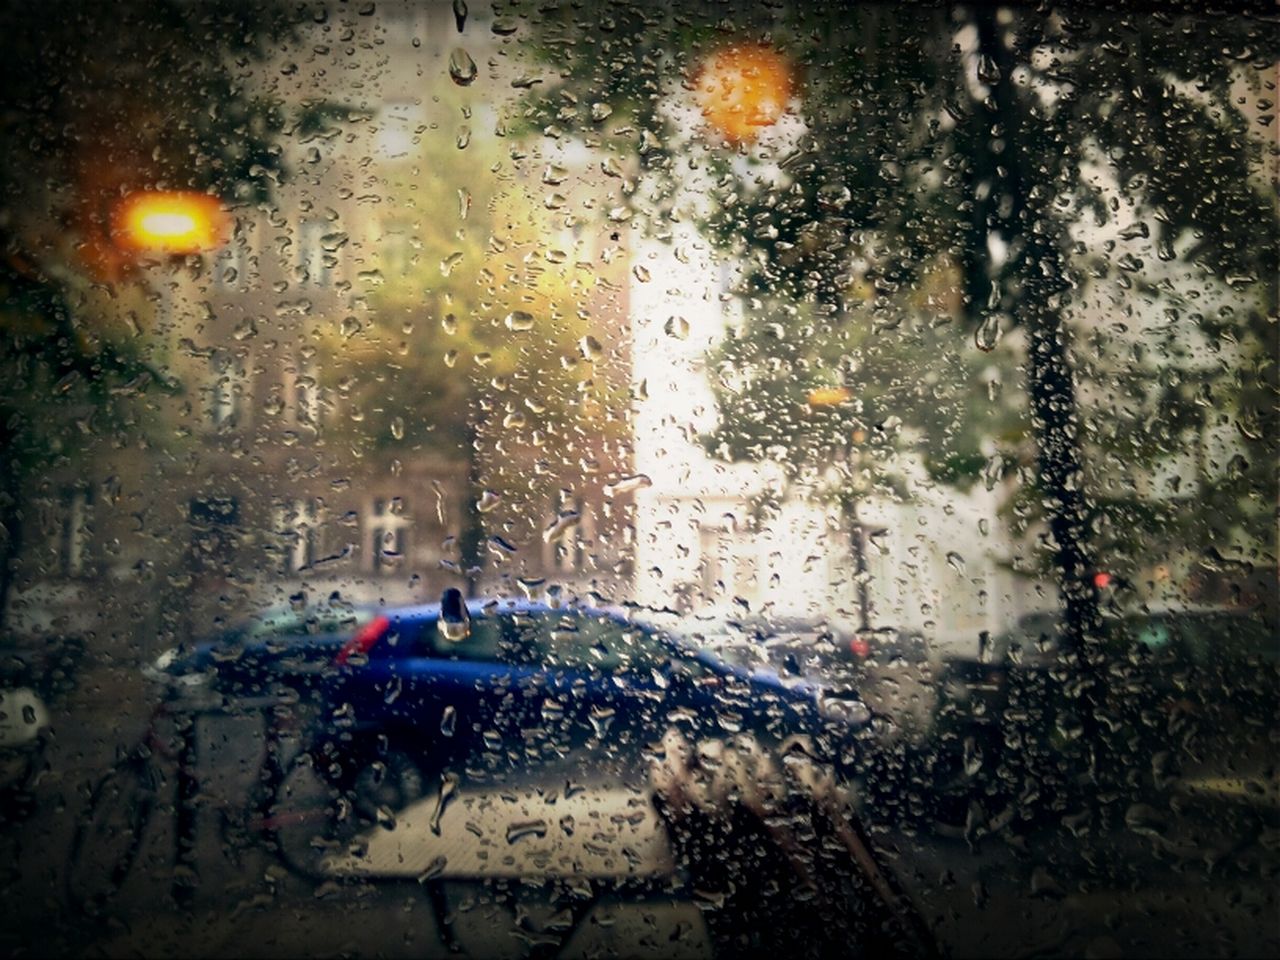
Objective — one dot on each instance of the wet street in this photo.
(586, 872)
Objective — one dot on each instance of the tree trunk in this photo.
(1026, 175)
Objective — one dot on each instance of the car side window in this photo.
(590, 643)
(491, 640)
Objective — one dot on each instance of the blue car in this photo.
(416, 699)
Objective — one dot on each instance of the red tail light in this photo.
(363, 641)
(861, 647)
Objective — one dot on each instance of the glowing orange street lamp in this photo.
(176, 222)
(742, 89)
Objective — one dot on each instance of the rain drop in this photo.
(590, 348)
(638, 481)
(561, 525)
(448, 790)
(462, 69)
(519, 321)
(987, 335)
(677, 327)
(526, 828)
(449, 262)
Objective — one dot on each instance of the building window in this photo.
(214, 523)
(569, 552)
(315, 263)
(395, 246)
(73, 531)
(303, 392)
(227, 393)
(388, 534)
(295, 524)
(718, 570)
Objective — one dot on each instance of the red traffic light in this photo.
(1102, 579)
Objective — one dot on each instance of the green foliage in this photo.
(1119, 163)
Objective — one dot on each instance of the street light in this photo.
(173, 222)
(742, 89)
(826, 398)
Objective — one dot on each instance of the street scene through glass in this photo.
(625, 479)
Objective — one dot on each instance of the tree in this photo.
(483, 341)
(974, 135)
(98, 103)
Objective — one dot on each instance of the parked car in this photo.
(1173, 689)
(498, 692)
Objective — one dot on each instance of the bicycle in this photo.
(116, 823)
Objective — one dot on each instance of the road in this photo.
(1202, 884)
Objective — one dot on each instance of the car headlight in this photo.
(852, 713)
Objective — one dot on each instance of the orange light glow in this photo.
(829, 396)
(172, 222)
(743, 89)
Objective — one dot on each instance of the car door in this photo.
(454, 702)
(600, 697)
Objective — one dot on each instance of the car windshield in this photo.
(619, 478)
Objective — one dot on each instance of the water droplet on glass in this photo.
(562, 524)
(449, 323)
(488, 500)
(448, 720)
(397, 427)
(392, 692)
(677, 327)
(955, 562)
(462, 69)
(526, 828)
(590, 348)
(504, 26)
(834, 195)
(448, 790)
(455, 620)
(449, 262)
(531, 585)
(460, 14)
(636, 482)
(464, 204)
(641, 273)
(519, 321)
(464, 137)
(434, 869)
(987, 335)
(988, 72)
